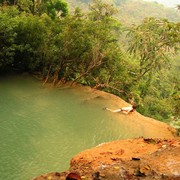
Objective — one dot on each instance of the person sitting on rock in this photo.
(125, 110)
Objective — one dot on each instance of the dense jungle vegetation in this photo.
(98, 47)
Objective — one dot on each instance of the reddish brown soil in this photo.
(126, 159)
(131, 159)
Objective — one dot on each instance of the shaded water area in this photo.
(42, 128)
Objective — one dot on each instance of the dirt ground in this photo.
(156, 155)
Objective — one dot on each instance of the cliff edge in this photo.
(131, 159)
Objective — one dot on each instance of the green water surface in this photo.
(42, 128)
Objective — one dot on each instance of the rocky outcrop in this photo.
(130, 159)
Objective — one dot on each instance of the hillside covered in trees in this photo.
(133, 11)
(104, 46)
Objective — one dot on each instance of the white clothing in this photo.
(125, 109)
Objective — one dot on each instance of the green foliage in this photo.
(54, 8)
(91, 49)
(25, 5)
(100, 10)
(83, 45)
(158, 99)
(8, 24)
(151, 41)
(157, 108)
(31, 36)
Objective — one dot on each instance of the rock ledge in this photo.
(130, 159)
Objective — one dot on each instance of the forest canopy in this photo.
(139, 63)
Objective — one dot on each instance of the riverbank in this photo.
(155, 155)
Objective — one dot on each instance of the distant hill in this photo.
(134, 11)
(167, 3)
